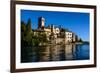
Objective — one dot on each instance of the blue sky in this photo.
(74, 21)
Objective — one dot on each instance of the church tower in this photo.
(41, 22)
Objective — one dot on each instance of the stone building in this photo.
(69, 37)
(54, 33)
(41, 23)
(50, 30)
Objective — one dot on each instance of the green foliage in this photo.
(35, 41)
(28, 26)
(80, 40)
(28, 38)
(23, 29)
(23, 26)
(64, 30)
(40, 38)
(26, 34)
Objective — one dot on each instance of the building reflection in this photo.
(56, 53)
(45, 54)
(69, 51)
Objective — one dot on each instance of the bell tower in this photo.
(41, 22)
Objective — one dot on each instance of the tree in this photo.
(35, 40)
(28, 26)
(26, 33)
(28, 38)
(80, 40)
(42, 37)
(23, 26)
(76, 38)
(23, 29)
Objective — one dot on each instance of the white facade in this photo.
(42, 22)
(57, 30)
(69, 36)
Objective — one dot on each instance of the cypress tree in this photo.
(28, 26)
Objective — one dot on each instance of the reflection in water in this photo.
(55, 53)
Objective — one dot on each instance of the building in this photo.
(41, 23)
(70, 37)
(74, 37)
(54, 33)
(50, 30)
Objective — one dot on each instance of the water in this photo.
(55, 53)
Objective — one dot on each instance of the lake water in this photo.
(55, 53)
